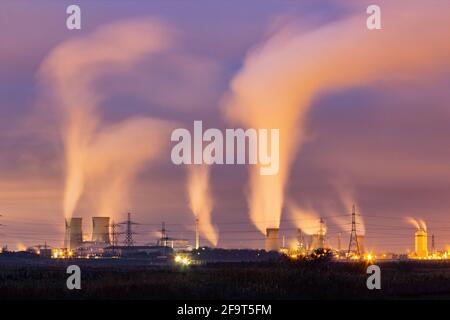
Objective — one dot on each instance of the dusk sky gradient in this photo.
(381, 143)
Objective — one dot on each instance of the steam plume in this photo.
(306, 219)
(200, 200)
(106, 156)
(281, 77)
(417, 223)
(348, 198)
(423, 225)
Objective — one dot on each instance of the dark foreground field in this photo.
(281, 280)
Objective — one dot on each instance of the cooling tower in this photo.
(272, 243)
(421, 243)
(74, 234)
(362, 249)
(100, 229)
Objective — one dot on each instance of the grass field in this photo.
(271, 280)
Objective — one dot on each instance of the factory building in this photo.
(318, 240)
(178, 245)
(272, 241)
(301, 246)
(154, 252)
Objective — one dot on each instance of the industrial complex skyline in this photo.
(86, 116)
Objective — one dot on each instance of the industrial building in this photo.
(101, 245)
(318, 240)
(102, 242)
(301, 246)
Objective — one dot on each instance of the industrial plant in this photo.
(103, 243)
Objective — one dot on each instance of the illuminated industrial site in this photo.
(110, 240)
(224, 149)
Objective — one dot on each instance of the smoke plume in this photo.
(100, 155)
(423, 224)
(281, 77)
(306, 219)
(419, 224)
(413, 222)
(201, 202)
(347, 197)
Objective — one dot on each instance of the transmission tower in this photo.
(129, 242)
(353, 245)
(114, 236)
(164, 238)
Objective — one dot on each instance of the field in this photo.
(272, 280)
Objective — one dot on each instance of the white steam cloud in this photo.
(201, 201)
(419, 224)
(306, 219)
(347, 197)
(102, 156)
(281, 77)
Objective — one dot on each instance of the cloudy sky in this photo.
(85, 117)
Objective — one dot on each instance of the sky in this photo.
(363, 115)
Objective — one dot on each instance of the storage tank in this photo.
(272, 243)
(100, 229)
(421, 243)
(74, 233)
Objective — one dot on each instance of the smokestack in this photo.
(421, 243)
(74, 234)
(100, 229)
(272, 243)
(197, 235)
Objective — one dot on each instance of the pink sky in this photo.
(383, 134)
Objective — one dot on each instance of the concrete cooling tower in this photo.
(100, 229)
(272, 243)
(421, 243)
(74, 233)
